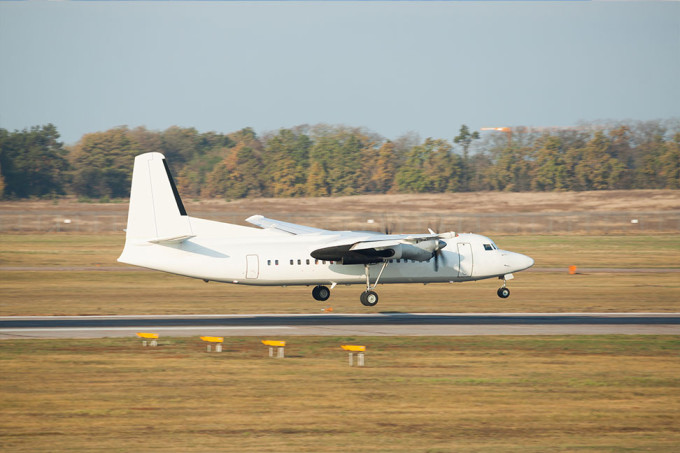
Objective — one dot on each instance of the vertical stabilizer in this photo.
(156, 211)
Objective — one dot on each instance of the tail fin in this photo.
(156, 211)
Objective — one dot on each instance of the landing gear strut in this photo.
(503, 292)
(369, 297)
(321, 293)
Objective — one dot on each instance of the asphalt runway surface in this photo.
(382, 324)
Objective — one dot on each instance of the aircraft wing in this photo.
(354, 249)
(291, 228)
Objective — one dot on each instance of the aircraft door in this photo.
(252, 266)
(464, 260)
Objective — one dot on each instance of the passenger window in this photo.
(269, 262)
(276, 262)
(307, 262)
(291, 262)
(299, 262)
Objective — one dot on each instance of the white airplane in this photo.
(161, 236)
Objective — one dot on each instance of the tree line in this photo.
(326, 160)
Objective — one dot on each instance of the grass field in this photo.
(444, 394)
(416, 394)
(120, 290)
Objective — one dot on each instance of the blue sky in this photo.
(392, 67)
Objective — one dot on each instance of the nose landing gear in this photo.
(504, 292)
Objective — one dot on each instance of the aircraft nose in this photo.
(522, 261)
(517, 262)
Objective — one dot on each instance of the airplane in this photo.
(160, 235)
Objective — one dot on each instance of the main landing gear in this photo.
(369, 298)
(321, 293)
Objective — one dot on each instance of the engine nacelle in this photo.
(421, 251)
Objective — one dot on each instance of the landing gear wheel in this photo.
(503, 292)
(369, 298)
(321, 293)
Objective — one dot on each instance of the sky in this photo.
(391, 67)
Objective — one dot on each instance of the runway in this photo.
(382, 324)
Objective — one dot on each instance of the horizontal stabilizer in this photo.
(172, 240)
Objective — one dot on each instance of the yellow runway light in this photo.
(148, 336)
(352, 348)
(275, 344)
(210, 340)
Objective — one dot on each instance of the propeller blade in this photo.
(435, 226)
(439, 255)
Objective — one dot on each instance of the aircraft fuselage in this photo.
(270, 258)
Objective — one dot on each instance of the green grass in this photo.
(602, 393)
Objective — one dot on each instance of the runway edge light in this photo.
(352, 348)
(211, 340)
(275, 344)
(148, 336)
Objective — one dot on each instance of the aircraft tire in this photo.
(321, 293)
(369, 298)
(503, 293)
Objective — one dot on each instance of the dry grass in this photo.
(474, 202)
(442, 394)
(100, 293)
(608, 393)
(41, 292)
(600, 212)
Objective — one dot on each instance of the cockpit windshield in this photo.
(491, 246)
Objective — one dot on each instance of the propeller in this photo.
(437, 252)
(436, 225)
(438, 255)
(388, 227)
